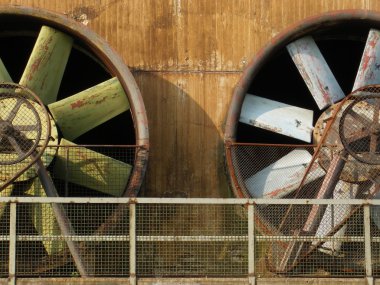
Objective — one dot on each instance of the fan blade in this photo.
(335, 215)
(4, 75)
(6, 192)
(315, 72)
(83, 111)
(369, 72)
(91, 169)
(46, 64)
(277, 117)
(44, 221)
(284, 176)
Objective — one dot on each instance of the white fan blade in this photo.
(277, 117)
(335, 215)
(369, 71)
(284, 176)
(315, 72)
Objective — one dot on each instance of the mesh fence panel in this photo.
(188, 240)
(92, 170)
(294, 252)
(103, 242)
(191, 240)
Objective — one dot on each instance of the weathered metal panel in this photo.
(369, 72)
(315, 72)
(277, 117)
(186, 160)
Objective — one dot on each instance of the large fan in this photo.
(340, 160)
(74, 124)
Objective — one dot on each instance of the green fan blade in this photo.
(6, 192)
(44, 70)
(4, 75)
(91, 169)
(44, 220)
(79, 113)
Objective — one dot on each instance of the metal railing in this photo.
(174, 237)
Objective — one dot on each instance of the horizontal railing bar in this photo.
(73, 238)
(190, 238)
(190, 201)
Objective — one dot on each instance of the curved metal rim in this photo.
(291, 33)
(116, 66)
(341, 128)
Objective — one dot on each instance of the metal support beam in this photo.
(12, 244)
(132, 244)
(367, 244)
(251, 244)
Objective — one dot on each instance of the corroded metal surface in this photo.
(114, 65)
(369, 72)
(315, 72)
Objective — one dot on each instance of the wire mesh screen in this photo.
(294, 172)
(92, 170)
(293, 251)
(191, 240)
(100, 231)
(4, 239)
(375, 239)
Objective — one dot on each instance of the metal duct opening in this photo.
(72, 123)
(292, 124)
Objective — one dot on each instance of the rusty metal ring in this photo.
(12, 138)
(359, 131)
(11, 131)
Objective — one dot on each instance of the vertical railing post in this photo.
(132, 244)
(12, 244)
(367, 245)
(251, 245)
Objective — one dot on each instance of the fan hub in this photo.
(354, 171)
(359, 126)
(6, 129)
(24, 129)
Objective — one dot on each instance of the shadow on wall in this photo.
(186, 158)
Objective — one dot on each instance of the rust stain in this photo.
(325, 92)
(100, 101)
(77, 104)
(84, 14)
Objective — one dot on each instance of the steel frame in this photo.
(133, 238)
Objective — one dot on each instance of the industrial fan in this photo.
(52, 135)
(299, 136)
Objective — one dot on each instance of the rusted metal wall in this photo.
(187, 56)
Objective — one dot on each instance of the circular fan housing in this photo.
(96, 109)
(292, 138)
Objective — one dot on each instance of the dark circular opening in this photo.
(83, 70)
(278, 79)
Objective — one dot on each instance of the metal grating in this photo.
(89, 170)
(191, 240)
(162, 238)
(296, 253)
